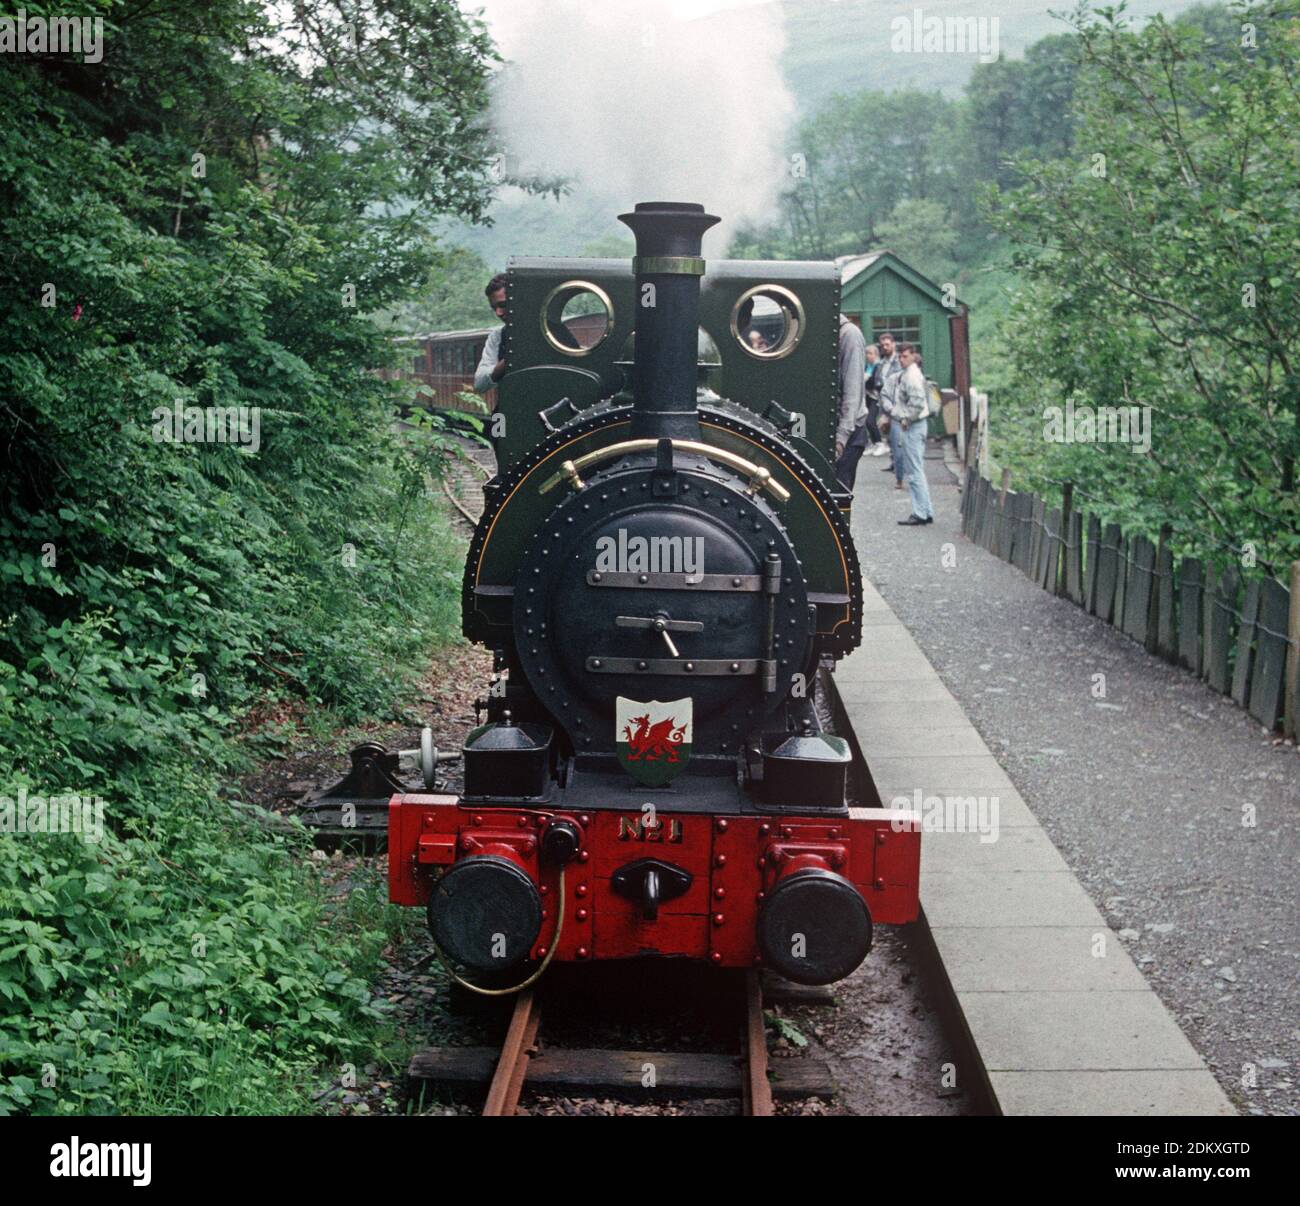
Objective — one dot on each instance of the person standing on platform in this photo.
(891, 373)
(851, 428)
(875, 443)
(911, 411)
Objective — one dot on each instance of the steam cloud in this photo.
(634, 102)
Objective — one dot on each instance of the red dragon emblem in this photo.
(654, 738)
(650, 742)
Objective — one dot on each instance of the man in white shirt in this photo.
(911, 409)
(492, 364)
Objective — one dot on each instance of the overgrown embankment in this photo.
(204, 511)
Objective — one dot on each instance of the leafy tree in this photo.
(860, 155)
(1020, 106)
(1160, 263)
(922, 234)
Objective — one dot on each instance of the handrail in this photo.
(759, 478)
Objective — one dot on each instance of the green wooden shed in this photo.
(881, 293)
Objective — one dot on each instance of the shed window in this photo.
(905, 328)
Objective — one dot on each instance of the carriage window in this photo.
(576, 317)
(768, 321)
(905, 328)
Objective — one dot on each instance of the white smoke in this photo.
(647, 100)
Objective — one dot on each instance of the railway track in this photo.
(524, 1060)
(463, 483)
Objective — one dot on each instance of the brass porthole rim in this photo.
(789, 341)
(576, 286)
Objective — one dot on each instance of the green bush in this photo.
(158, 599)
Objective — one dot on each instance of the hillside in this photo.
(843, 47)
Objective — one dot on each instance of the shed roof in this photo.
(857, 269)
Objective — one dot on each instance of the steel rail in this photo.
(757, 1089)
(516, 1051)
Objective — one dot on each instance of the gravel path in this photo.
(1178, 813)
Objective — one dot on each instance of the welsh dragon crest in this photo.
(653, 738)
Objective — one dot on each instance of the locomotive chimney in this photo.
(668, 268)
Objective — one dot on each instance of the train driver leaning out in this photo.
(492, 365)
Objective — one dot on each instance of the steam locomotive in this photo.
(664, 573)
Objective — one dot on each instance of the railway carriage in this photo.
(665, 575)
(442, 366)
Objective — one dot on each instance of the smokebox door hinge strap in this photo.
(696, 667)
(700, 583)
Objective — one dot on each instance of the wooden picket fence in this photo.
(1241, 635)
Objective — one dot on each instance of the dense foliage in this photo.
(865, 159)
(904, 170)
(200, 219)
(1159, 269)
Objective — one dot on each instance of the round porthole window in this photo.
(768, 321)
(576, 317)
